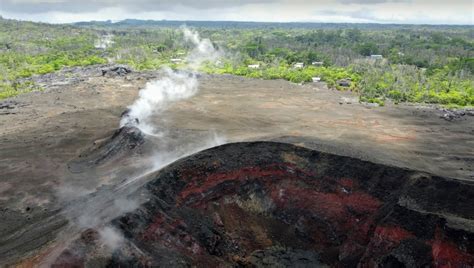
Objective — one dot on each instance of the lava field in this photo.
(267, 204)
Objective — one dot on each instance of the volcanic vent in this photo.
(273, 204)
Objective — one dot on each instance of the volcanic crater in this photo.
(297, 202)
(270, 204)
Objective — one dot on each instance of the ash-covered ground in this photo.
(65, 166)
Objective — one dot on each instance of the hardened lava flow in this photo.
(271, 204)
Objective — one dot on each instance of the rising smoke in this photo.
(104, 41)
(172, 86)
(156, 95)
(153, 100)
(111, 238)
(203, 50)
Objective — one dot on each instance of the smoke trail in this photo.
(156, 95)
(93, 208)
(112, 238)
(104, 41)
(173, 86)
(203, 50)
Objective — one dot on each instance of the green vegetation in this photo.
(407, 83)
(430, 64)
(28, 49)
(328, 74)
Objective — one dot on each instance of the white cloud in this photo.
(379, 11)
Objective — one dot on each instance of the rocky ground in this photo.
(266, 204)
(56, 152)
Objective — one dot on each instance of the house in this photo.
(254, 66)
(316, 79)
(176, 61)
(376, 57)
(299, 65)
(344, 82)
(317, 63)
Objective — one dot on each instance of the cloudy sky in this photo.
(378, 11)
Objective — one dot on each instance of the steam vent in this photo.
(265, 204)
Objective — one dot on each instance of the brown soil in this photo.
(43, 133)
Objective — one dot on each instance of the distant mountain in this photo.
(93, 22)
(207, 24)
(244, 24)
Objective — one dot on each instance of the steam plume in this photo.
(156, 95)
(104, 41)
(203, 50)
(96, 209)
(173, 86)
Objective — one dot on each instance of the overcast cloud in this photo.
(378, 11)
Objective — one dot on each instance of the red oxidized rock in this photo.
(254, 204)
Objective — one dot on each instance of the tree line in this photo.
(416, 64)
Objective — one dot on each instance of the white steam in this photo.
(157, 94)
(172, 86)
(104, 41)
(93, 214)
(111, 238)
(92, 208)
(203, 50)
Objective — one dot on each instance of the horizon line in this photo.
(242, 21)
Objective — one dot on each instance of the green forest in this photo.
(397, 63)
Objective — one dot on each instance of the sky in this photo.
(357, 11)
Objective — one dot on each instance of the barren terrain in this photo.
(48, 139)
